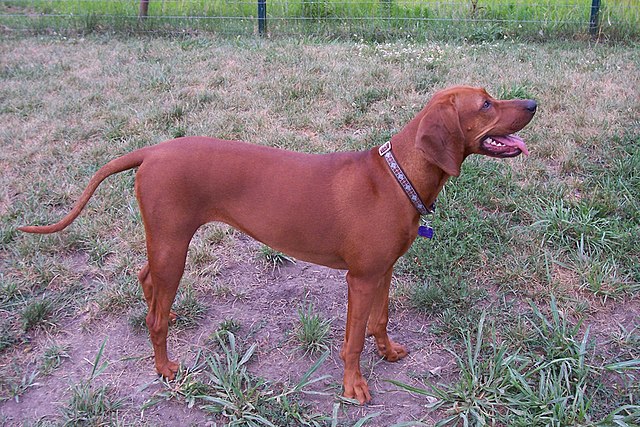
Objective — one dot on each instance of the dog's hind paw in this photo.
(168, 369)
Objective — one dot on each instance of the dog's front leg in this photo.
(378, 320)
(361, 294)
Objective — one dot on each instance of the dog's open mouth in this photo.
(504, 146)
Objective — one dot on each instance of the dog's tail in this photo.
(128, 161)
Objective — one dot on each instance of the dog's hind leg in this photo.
(169, 227)
(167, 257)
(147, 288)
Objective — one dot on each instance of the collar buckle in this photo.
(384, 148)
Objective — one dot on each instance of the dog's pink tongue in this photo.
(512, 141)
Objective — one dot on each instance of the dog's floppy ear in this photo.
(441, 138)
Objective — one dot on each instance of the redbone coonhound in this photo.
(346, 210)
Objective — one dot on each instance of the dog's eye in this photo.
(486, 105)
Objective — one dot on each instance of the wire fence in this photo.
(485, 19)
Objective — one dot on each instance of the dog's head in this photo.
(464, 120)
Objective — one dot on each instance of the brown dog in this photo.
(319, 208)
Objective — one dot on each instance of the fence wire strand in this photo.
(616, 18)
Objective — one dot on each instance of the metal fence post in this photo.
(144, 9)
(262, 17)
(594, 22)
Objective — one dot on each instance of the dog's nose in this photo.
(531, 105)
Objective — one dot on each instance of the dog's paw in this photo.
(357, 389)
(393, 352)
(168, 369)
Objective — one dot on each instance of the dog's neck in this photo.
(427, 178)
(386, 152)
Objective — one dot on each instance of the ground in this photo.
(265, 301)
(538, 253)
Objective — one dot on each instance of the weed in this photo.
(185, 387)
(627, 338)
(454, 322)
(115, 130)
(556, 336)
(316, 9)
(237, 393)
(365, 99)
(226, 291)
(38, 313)
(202, 257)
(580, 181)
(42, 270)
(487, 33)
(600, 278)
(501, 385)
(8, 337)
(97, 247)
(273, 258)
(623, 416)
(10, 291)
(18, 388)
(52, 357)
(91, 404)
(226, 326)
(189, 308)
(430, 297)
(483, 378)
(313, 331)
(570, 226)
(138, 317)
(126, 292)
(376, 21)
(229, 325)
(221, 384)
(518, 333)
(515, 91)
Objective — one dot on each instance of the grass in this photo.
(508, 234)
(478, 20)
(274, 259)
(226, 327)
(90, 403)
(550, 383)
(221, 384)
(313, 332)
(21, 386)
(189, 308)
(53, 357)
(124, 293)
(37, 314)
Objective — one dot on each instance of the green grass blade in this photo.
(410, 424)
(304, 381)
(633, 364)
(248, 354)
(479, 338)
(366, 418)
(97, 367)
(410, 388)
